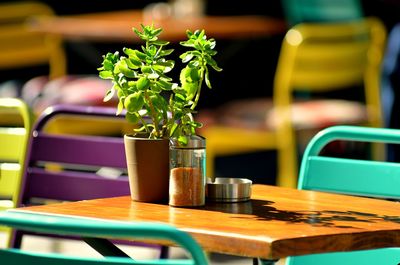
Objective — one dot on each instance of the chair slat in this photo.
(352, 176)
(324, 79)
(9, 173)
(12, 143)
(95, 151)
(73, 186)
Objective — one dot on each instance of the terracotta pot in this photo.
(148, 168)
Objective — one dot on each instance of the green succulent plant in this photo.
(144, 89)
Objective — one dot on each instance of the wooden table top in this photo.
(117, 26)
(276, 223)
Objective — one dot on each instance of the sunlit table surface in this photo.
(276, 223)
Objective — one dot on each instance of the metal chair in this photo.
(95, 229)
(21, 47)
(299, 11)
(15, 125)
(369, 178)
(391, 85)
(83, 160)
(320, 59)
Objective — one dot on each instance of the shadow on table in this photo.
(264, 210)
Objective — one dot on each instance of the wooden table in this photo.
(276, 223)
(117, 26)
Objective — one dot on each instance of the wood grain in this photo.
(117, 26)
(276, 223)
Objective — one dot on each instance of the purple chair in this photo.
(65, 166)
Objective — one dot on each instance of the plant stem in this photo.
(196, 100)
(153, 116)
(144, 124)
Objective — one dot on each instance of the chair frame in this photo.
(298, 11)
(38, 48)
(95, 228)
(14, 144)
(72, 151)
(223, 140)
(376, 179)
(350, 176)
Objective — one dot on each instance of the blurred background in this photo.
(45, 67)
(249, 63)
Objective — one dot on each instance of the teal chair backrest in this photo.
(95, 228)
(298, 11)
(369, 178)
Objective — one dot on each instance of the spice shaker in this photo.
(187, 177)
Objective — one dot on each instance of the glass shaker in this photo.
(187, 178)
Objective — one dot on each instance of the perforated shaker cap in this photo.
(195, 142)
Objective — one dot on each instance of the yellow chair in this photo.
(15, 125)
(314, 58)
(21, 47)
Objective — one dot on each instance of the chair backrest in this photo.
(15, 125)
(94, 228)
(350, 176)
(21, 47)
(71, 167)
(326, 57)
(68, 166)
(298, 11)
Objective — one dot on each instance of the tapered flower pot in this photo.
(148, 168)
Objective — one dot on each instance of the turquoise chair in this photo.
(378, 179)
(94, 228)
(299, 11)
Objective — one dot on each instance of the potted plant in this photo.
(162, 108)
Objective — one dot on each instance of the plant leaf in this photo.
(143, 83)
(109, 94)
(106, 75)
(134, 102)
(120, 106)
(132, 117)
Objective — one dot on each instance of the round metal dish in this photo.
(228, 190)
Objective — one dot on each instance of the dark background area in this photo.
(249, 64)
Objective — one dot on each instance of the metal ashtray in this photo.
(228, 190)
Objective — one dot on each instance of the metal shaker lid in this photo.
(194, 141)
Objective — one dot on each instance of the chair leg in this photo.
(256, 261)
(210, 161)
(15, 239)
(287, 165)
(164, 252)
(104, 247)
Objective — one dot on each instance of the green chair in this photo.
(378, 179)
(15, 126)
(94, 228)
(299, 11)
